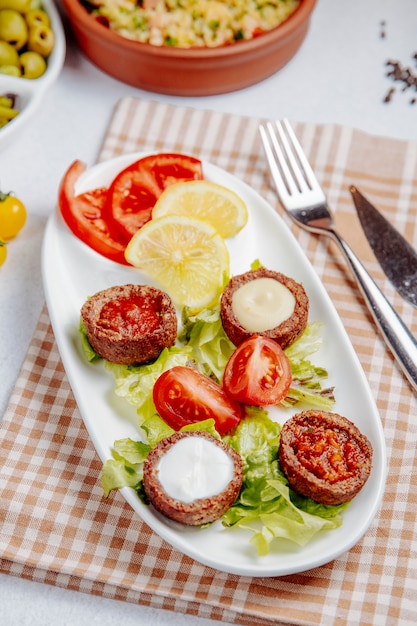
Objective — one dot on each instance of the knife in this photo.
(396, 256)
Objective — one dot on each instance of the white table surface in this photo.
(338, 76)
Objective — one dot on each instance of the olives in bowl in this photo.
(26, 71)
(26, 38)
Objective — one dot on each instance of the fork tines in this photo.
(289, 166)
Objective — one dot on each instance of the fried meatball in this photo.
(264, 302)
(192, 477)
(130, 324)
(324, 456)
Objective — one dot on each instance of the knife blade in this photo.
(395, 255)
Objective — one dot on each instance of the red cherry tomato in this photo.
(184, 396)
(135, 190)
(258, 372)
(83, 215)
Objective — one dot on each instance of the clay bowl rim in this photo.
(75, 10)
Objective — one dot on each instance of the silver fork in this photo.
(304, 200)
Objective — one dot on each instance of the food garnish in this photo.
(186, 256)
(183, 396)
(106, 218)
(135, 190)
(258, 372)
(219, 206)
(83, 214)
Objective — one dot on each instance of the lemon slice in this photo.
(202, 199)
(187, 257)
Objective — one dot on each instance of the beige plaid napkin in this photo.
(56, 527)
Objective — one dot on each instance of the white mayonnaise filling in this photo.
(262, 304)
(195, 468)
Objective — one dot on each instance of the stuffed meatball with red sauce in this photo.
(130, 324)
(324, 456)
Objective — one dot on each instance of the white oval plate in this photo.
(31, 92)
(72, 272)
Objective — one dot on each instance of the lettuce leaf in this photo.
(135, 382)
(125, 468)
(204, 334)
(306, 387)
(88, 350)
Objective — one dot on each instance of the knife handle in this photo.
(396, 335)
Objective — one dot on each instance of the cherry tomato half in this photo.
(135, 190)
(184, 396)
(258, 372)
(12, 216)
(83, 215)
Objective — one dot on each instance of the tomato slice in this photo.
(83, 214)
(258, 372)
(184, 396)
(135, 190)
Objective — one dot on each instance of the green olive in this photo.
(10, 70)
(8, 54)
(37, 17)
(41, 39)
(13, 28)
(33, 64)
(18, 5)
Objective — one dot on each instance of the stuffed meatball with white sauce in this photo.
(192, 477)
(264, 302)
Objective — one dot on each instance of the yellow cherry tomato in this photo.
(3, 252)
(12, 216)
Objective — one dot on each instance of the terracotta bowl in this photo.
(189, 71)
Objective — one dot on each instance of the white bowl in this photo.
(31, 92)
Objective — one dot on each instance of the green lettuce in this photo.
(204, 334)
(306, 387)
(266, 505)
(125, 468)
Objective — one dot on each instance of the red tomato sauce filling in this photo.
(329, 453)
(134, 316)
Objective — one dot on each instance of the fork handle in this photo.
(396, 335)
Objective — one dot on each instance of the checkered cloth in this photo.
(55, 525)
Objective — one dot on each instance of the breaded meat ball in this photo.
(264, 302)
(192, 477)
(130, 324)
(324, 456)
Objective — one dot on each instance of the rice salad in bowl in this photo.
(191, 23)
